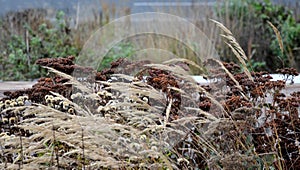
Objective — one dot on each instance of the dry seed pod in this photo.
(48, 101)
(76, 95)
(100, 109)
(101, 93)
(13, 104)
(4, 120)
(57, 107)
(12, 120)
(25, 98)
(107, 108)
(71, 111)
(113, 108)
(64, 105)
(107, 94)
(48, 97)
(145, 99)
(20, 103)
(19, 99)
(7, 103)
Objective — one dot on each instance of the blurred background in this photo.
(44, 28)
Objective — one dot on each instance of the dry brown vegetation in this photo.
(120, 121)
(138, 115)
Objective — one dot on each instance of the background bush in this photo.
(248, 21)
(121, 50)
(30, 34)
(20, 52)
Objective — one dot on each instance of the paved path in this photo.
(14, 85)
(291, 88)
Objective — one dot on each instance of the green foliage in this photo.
(48, 40)
(256, 65)
(266, 11)
(290, 32)
(281, 18)
(19, 55)
(248, 21)
(121, 50)
(19, 63)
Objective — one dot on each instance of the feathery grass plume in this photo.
(167, 113)
(72, 80)
(124, 76)
(79, 110)
(99, 134)
(236, 45)
(132, 89)
(176, 70)
(208, 116)
(236, 48)
(233, 79)
(68, 133)
(220, 25)
(278, 36)
(189, 62)
(244, 65)
(231, 38)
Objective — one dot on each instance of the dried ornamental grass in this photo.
(158, 118)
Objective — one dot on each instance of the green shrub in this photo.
(290, 31)
(248, 21)
(121, 50)
(48, 41)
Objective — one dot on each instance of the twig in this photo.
(21, 143)
(27, 47)
(168, 112)
(83, 156)
(77, 15)
(53, 134)
(55, 148)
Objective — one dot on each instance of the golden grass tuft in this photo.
(235, 47)
(277, 33)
